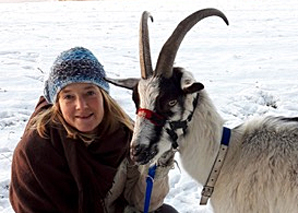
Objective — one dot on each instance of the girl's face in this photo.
(82, 106)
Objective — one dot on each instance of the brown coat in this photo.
(60, 174)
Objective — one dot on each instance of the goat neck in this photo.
(198, 149)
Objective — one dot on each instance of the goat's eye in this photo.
(172, 103)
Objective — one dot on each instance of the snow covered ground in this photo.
(248, 68)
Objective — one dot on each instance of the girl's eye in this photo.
(67, 97)
(90, 93)
(172, 103)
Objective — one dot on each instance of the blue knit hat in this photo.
(77, 65)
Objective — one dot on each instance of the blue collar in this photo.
(225, 140)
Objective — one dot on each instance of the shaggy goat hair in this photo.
(251, 168)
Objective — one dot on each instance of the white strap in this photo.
(210, 183)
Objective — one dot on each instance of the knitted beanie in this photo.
(76, 65)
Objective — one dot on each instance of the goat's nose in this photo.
(136, 149)
(141, 152)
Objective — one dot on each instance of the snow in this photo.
(249, 68)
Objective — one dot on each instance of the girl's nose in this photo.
(81, 103)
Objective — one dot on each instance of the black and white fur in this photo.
(260, 171)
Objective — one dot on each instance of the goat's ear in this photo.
(189, 84)
(128, 83)
(192, 88)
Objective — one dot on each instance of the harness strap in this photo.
(153, 117)
(159, 120)
(149, 187)
(174, 125)
(210, 183)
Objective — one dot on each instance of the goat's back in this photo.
(260, 173)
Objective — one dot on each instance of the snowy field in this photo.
(249, 68)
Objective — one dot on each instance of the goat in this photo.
(254, 170)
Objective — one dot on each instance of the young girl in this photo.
(74, 153)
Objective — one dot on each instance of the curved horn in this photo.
(145, 57)
(168, 53)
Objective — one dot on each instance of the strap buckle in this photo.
(206, 194)
(207, 191)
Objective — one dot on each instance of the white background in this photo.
(248, 68)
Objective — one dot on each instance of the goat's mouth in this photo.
(143, 155)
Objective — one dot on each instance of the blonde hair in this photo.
(114, 116)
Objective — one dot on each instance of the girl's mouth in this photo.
(84, 116)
